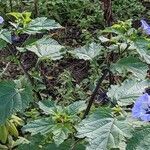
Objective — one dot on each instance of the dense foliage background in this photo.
(74, 75)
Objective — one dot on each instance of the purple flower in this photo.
(145, 26)
(141, 108)
(15, 38)
(1, 20)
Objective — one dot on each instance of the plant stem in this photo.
(36, 8)
(5, 70)
(91, 100)
(11, 7)
(107, 7)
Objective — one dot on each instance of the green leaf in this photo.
(61, 133)
(131, 64)
(76, 107)
(46, 48)
(47, 106)
(102, 131)
(13, 98)
(88, 52)
(42, 126)
(46, 126)
(34, 143)
(67, 145)
(40, 24)
(5, 35)
(3, 44)
(140, 139)
(143, 49)
(126, 93)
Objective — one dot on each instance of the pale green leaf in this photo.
(76, 107)
(5, 35)
(143, 49)
(60, 133)
(40, 24)
(102, 131)
(47, 106)
(42, 126)
(127, 93)
(88, 52)
(46, 48)
(133, 65)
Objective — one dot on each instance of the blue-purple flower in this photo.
(15, 38)
(145, 27)
(141, 108)
(1, 20)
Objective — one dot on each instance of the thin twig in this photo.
(5, 69)
(36, 8)
(11, 7)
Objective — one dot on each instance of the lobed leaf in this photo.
(140, 139)
(102, 131)
(88, 52)
(46, 48)
(13, 98)
(133, 65)
(40, 24)
(126, 93)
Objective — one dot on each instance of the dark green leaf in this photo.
(140, 139)
(13, 98)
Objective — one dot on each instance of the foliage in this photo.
(101, 130)
(45, 106)
(133, 6)
(85, 13)
(14, 96)
(60, 123)
(46, 48)
(126, 93)
(136, 143)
